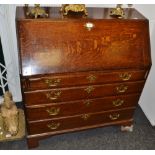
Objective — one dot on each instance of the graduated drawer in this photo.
(83, 92)
(79, 121)
(58, 110)
(74, 79)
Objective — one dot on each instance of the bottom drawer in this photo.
(78, 121)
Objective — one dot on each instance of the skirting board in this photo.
(152, 121)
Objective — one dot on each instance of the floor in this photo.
(107, 138)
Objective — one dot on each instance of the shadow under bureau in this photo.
(76, 77)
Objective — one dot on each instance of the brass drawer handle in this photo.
(125, 76)
(89, 26)
(117, 102)
(85, 116)
(91, 78)
(53, 111)
(87, 103)
(53, 95)
(89, 89)
(114, 116)
(122, 89)
(53, 125)
(52, 82)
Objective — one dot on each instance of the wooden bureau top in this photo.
(65, 44)
(93, 13)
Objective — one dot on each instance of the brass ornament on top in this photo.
(78, 8)
(36, 11)
(118, 12)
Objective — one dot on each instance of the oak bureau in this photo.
(79, 73)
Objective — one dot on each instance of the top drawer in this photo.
(73, 79)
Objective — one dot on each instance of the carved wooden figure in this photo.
(10, 114)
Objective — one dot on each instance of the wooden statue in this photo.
(9, 113)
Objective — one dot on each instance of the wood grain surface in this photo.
(74, 77)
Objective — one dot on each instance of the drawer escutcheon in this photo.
(85, 116)
(87, 102)
(89, 89)
(53, 111)
(91, 78)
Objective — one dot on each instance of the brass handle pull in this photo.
(53, 125)
(91, 78)
(89, 89)
(125, 76)
(87, 103)
(85, 116)
(117, 102)
(52, 82)
(53, 95)
(89, 26)
(53, 111)
(114, 116)
(121, 89)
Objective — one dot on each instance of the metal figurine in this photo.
(74, 8)
(119, 11)
(36, 12)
